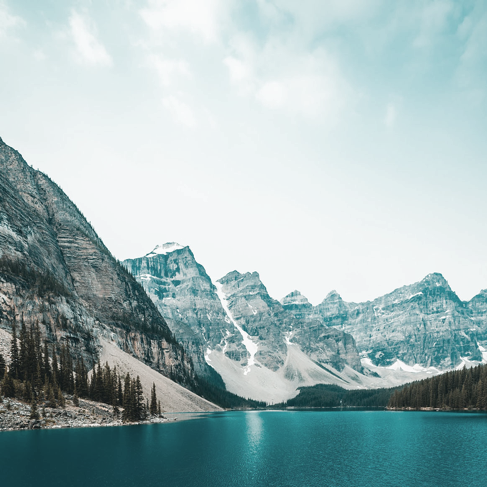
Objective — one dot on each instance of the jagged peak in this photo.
(333, 295)
(235, 276)
(293, 294)
(435, 279)
(165, 249)
(295, 298)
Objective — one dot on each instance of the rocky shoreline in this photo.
(16, 415)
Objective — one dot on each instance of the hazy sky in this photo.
(327, 144)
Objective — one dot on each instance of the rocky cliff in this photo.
(423, 324)
(250, 339)
(55, 270)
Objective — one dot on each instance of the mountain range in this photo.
(162, 313)
(266, 349)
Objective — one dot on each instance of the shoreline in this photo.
(15, 416)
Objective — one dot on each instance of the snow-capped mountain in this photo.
(423, 324)
(265, 349)
(260, 350)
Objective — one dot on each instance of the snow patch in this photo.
(207, 356)
(165, 249)
(287, 337)
(251, 347)
(414, 295)
(416, 368)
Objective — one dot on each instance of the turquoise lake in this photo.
(289, 448)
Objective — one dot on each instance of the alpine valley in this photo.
(266, 349)
(162, 317)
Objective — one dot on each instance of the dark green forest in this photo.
(332, 396)
(42, 374)
(458, 389)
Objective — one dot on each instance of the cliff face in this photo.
(234, 326)
(275, 325)
(424, 323)
(55, 270)
(184, 294)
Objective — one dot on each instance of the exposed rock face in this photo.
(424, 323)
(235, 326)
(184, 294)
(54, 269)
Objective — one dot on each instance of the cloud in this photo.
(200, 17)
(179, 110)
(8, 21)
(169, 69)
(88, 48)
(282, 75)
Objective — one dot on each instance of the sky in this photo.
(326, 144)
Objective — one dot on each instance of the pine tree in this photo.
(8, 386)
(51, 398)
(139, 400)
(60, 398)
(153, 400)
(46, 366)
(75, 397)
(34, 414)
(14, 354)
(3, 366)
(127, 400)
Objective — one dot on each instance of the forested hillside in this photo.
(458, 389)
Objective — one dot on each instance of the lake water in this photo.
(289, 448)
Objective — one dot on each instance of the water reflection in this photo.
(254, 430)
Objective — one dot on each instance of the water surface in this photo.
(288, 448)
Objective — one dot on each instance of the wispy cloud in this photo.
(284, 76)
(169, 69)
(8, 21)
(89, 49)
(201, 17)
(180, 110)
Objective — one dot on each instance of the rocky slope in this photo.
(421, 325)
(261, 350)
(185, 295)
(55, 270)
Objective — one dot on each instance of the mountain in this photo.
(55, 270)
(261, 350)
(423, 325)
(184, 294)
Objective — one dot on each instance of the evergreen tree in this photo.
(456, 389)
(8, 386)
(3, 366)
(14, 354)
(139, 400)
(75, 397)
(34, 414)
(46, 366)
(51, 398)
(153, 400)
(127, 400)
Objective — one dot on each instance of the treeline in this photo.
(225, 399)
(458, 389)
(332, 396)
(43, 283)
(38, 375)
